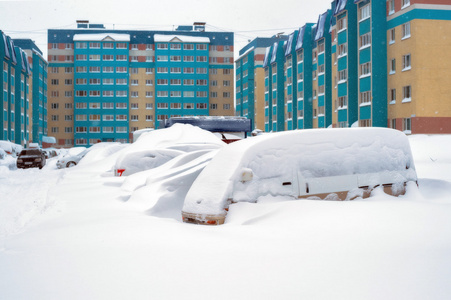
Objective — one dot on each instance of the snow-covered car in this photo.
(331, 164)
(31, 158)
(10, 148)
(7, 160)
(69, 160)
(155, 148)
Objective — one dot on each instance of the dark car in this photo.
(30, 158)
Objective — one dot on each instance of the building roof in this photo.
(118, 37)
(162, 38)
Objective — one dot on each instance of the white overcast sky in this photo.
(247, 19)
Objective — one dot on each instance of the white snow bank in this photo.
(433, 161)
(282, 163)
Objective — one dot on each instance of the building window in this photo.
(407, 125)
(149, 105)
(176, 94)
(201, 47)
(365, 123)
(406, 62)
(365, 40)
(392, 36)
(80, 45)
(188, 94)
(134, 105)
(393, 66)
(342, 102)
(162, 93)
(393, 123)
(392, 96)
(121, 81)
(341, 24)
(342, 50)
(213, 106)
(391, 7)
(162, 70)
(162, 46)
(365, 97)
(176, 46)
(177, 70)
(365, 69)
(405, 3)
(176, 58)
(226, 106)
(406, 30)
(94, 57)
(365, 12)
(342, 76)
(407, 93)
(162, 58)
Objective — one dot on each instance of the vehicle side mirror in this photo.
(246, 175)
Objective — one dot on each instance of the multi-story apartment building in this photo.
(106, 84)
(249, 77)
(418, 40)
(37, 109)
(373, 63)
(304, 73)
(14, 97)
(274, 64)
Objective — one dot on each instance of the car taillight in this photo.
(211, 222)
(118, 172)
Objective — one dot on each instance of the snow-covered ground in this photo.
(78, 234)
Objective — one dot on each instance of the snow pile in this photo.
(155, 148)
(382, 247)
(432, 161)
(284, 157)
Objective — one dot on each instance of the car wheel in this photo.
(71, 164)
(40, 166)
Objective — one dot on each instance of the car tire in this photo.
(71, 164)
(40, 166)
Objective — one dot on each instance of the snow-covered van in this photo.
(331, 164)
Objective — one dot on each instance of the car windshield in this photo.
(31, 152)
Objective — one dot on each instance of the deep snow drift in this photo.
(82, 233)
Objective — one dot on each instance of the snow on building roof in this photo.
(163, 38)
(118, 37)
(245, 53)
